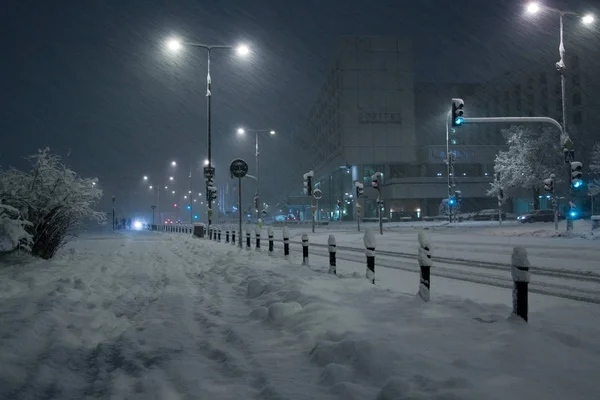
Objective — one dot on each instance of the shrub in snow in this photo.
(53, 198)
(12, 230)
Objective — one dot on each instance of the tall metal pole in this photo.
(113, 212)
(158, 202)
(190, 197)
(380, 207)
(448, 167)
(562, 67)
(257, 183)
(240, 210)
(208, 133)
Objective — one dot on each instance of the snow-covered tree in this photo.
(532, 156)
(12, 230)
(594, 185)
(53, 198)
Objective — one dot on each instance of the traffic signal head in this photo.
(359, 188)
(576, 174)
(376, 180)
(308, 189)
(457, 112)
(451, 201)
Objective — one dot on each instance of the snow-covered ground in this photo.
(164, 316)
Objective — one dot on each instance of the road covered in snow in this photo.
(163, 316)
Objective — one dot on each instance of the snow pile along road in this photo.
(167, 317)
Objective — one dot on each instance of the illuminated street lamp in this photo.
(242, 50)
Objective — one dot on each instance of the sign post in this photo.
(239, 169)
(317, 195)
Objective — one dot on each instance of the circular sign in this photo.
(238, 168)
(317, 194)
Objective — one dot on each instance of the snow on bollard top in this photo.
(304, 239)
(331, 243)
(286, 232)
(520, 265)
(270, 230)
(425, 252)
(424, 240)
(369, 239)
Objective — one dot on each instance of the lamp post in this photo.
(242, 50)
(588, 19)
(242, 131)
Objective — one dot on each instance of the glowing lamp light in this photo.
(459, 120)
(137, 225)
(577, 184)
(533, 8)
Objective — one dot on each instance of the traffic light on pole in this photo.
(211, 190)
(451, 201)
(549, 184)
(576, 174)
(376, 180)
(457, 112)
(308, 189)
(359, 189)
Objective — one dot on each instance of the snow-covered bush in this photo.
(53, 198)
(12, 230)
(532, 156)
(594, 185)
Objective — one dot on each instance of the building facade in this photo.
(371, 116)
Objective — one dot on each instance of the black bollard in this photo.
(332, 249)
(270, 232)
(219, 239)
(520, 274)
(286, 242)
(369, 240)
(425, 264)
(233, 237)
(257, 234)
(304, 249)
(248, 246)
(227, 236)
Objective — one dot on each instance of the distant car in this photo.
(539, 216)
(488, 215)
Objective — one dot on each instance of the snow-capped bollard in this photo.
(370, 244)
(425, 263)
(248, 246)
(520, 275)
(257, 234)
(286, 242)
(332, 249)
(233, 237)
(304, 249)
(270, 233)
(219, 235)
(210, 230)
(227, 236)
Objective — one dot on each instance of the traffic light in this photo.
(359, 189)
(457, 112)
(308, 189)
(451, 201)
(576, 174)
(376, 180)
(189, 207)
(457, 196)
(549, 184)
(211, 190)
(573, 210)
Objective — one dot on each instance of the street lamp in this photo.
(145, 178)
(242, 131)
(173, 164)
(242, 50)
(170, 178)
(205, 162)
(588, 19)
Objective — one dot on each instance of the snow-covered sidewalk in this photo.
(155, 316)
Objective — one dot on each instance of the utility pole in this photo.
(113, 213)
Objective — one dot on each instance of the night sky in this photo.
(93, 81)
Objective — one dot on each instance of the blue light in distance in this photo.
(577, 183)
(573, 214)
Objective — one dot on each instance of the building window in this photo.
(577, 99)
(577, 119)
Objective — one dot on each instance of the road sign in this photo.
(569, 156)
(238, 168)
(209, 172)
(317, 194)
